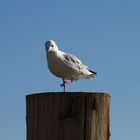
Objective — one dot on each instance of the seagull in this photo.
(66, 66)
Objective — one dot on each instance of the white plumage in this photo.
(66, 66)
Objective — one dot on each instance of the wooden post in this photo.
(68, 116)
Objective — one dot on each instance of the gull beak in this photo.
(50, 49)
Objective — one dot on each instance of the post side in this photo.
(68, 116)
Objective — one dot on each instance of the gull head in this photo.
(51, 46)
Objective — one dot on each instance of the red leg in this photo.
(64, 84)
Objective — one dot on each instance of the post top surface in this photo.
(68, 93)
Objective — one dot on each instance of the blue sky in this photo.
(103, 34)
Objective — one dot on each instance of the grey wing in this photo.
(73, 62)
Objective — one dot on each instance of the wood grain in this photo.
(68, 116)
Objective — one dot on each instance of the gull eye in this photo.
(52, 45)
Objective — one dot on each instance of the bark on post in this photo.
(68, 116)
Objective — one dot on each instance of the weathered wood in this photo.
(68, 116)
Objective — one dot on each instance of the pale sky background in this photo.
(105, 35)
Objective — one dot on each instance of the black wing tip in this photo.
(93, 72)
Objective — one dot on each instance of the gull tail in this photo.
(88, 74)
(93, 73)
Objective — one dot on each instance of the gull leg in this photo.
(64, 90)
(64, 85)
(65, 82)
